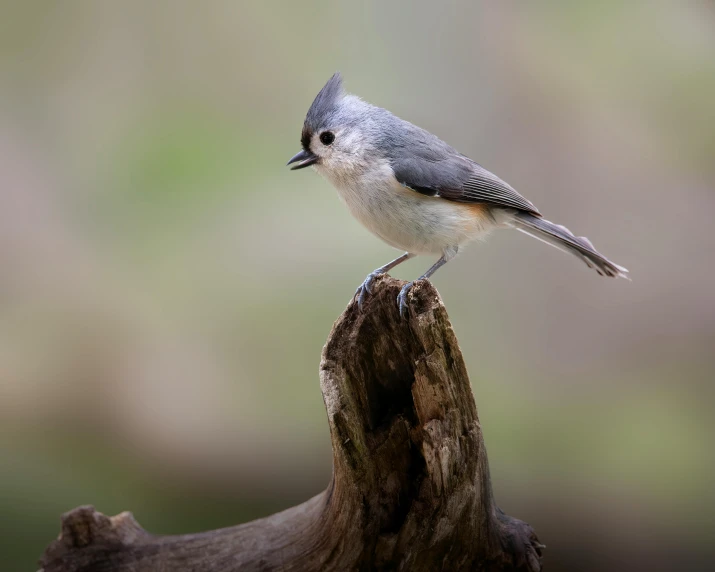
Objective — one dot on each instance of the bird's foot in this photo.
(519, 539)
(366, 287)
(402, 299)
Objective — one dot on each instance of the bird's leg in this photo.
(366, 287)
(402, 297)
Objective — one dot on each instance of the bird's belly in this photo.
(413, 222)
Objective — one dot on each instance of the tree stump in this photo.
(410, 488)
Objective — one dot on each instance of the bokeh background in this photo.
(166, 284)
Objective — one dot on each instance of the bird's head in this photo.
(336, 132)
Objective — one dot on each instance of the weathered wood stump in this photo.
(410, 488)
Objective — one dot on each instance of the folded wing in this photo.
(458, 178)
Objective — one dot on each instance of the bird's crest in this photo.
(323, 105)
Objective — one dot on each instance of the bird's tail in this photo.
(563, 239)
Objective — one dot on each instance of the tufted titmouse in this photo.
(413, 190)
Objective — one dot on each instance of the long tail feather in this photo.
(563, 239)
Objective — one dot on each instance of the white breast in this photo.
(406, 219)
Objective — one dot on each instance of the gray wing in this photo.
(455, 177)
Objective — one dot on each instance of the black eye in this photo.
(327, 137)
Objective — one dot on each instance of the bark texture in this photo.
(410, 488)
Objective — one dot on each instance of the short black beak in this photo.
(302, 159)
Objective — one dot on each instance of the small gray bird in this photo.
(413, 190)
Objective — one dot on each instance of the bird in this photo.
(414, 191)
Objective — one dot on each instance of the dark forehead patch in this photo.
(305, 137)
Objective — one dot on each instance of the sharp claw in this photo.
(361, 298)
(402, 299)
(365, 288)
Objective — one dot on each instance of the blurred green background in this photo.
(167, 284)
